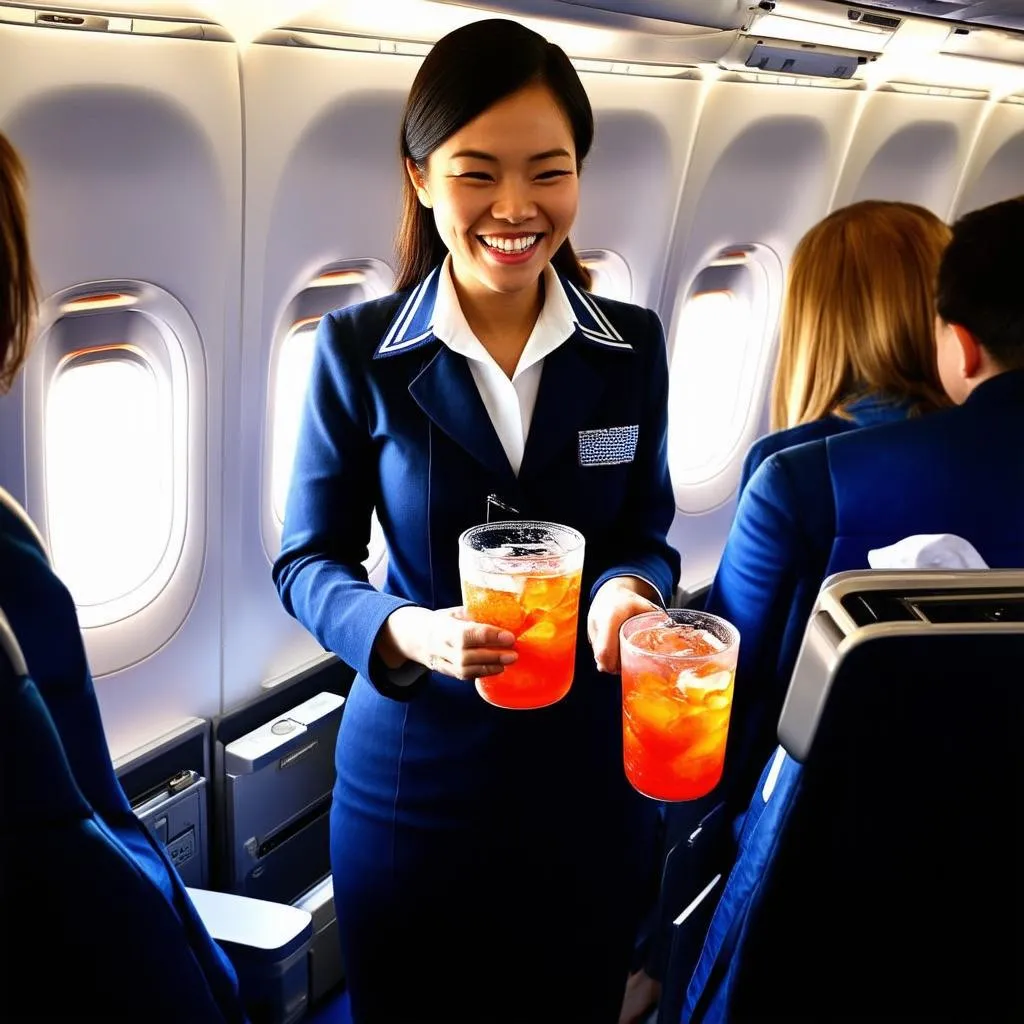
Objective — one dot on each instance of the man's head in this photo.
(979, 331)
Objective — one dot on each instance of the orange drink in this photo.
(525, 577)
(677, 682)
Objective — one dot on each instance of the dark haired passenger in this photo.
(856, 344)
(488, 865)
(820, 507)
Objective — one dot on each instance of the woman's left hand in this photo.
(620, 598)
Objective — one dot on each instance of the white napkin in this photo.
(927, 551)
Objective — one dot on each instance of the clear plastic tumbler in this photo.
(677, 683)
(524, 576)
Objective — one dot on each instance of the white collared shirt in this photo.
(509, 402)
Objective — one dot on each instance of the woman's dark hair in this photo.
(466, 72)
(17, 283)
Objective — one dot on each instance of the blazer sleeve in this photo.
(319, 573)
(650, 504)
(770, 573)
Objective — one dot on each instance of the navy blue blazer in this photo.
(818, 508)
(869, 411)
(393, 420)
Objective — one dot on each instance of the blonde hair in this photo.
(17, 281)
(859, 313)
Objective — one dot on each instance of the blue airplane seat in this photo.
(91, 930)
(98, 922)
(878, 873)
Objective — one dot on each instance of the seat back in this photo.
(92, 907)
(871, 878)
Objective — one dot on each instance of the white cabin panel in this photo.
(133, 149)
(996, 168)
(911, 148)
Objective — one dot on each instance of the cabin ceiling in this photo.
(974, 45)
(720, 14)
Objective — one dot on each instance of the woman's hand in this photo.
(642, 995)
(446, 642)
(618, 599)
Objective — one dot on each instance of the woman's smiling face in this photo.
(504, 191)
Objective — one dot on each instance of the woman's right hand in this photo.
(446, 642)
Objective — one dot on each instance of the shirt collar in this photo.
(432, 306)
(876, 408)
(554, 325)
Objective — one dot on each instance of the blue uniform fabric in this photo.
(488, 865)
(868, 411)
(818, 508)
(86, 886)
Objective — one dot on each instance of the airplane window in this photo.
(610, 274)
(109, 472)
(711, 337)
(336, 286)
(293, 368)
(115, 460)
(720, 340)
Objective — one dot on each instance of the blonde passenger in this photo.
(856, 342)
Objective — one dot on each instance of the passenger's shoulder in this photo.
(794, 475)
(25, 572)
(911, 432)
(814, 430)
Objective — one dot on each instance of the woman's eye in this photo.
(552, 175)
(475, 175)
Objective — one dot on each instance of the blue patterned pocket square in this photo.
(609, 446)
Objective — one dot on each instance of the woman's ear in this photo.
(418, 182)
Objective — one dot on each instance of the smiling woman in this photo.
(498, 200)
(492, 374)
(511, 130)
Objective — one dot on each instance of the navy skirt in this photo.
(489, 865)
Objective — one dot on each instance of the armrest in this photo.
(694, 869)
(268, 944)
(275, 928)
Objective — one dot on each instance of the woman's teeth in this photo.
(509, 244)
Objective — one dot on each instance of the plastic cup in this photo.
(524, 576)
(678, 669)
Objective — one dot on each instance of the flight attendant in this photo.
(488, 865)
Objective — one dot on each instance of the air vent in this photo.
(877, 20)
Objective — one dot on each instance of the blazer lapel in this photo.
(445, 390)
(571, 387)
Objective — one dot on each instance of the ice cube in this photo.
(505, 582)
(716, 681)
(711, 640)
(689, 680)
(501, 551)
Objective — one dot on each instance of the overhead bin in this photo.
(1007, 14)
(720, 14)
